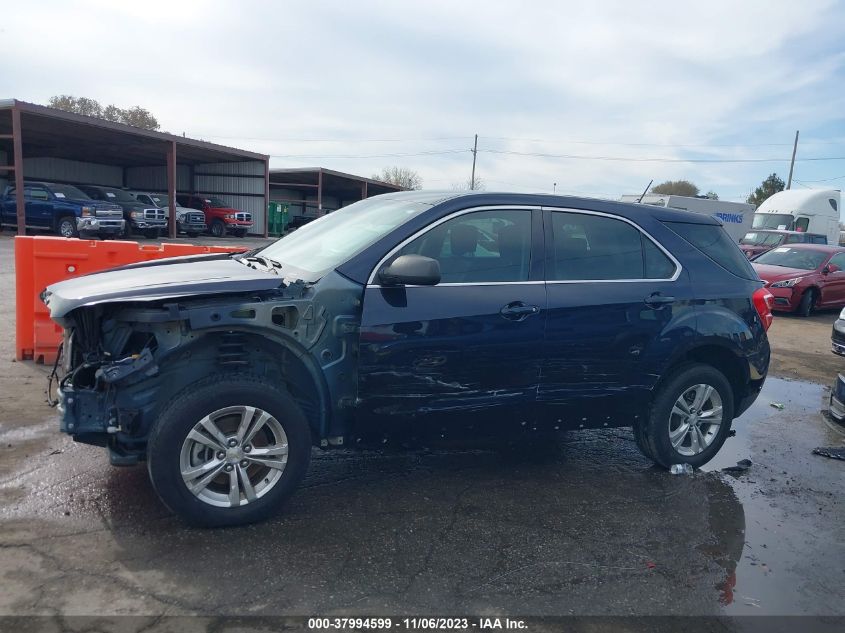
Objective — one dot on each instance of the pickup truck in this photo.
(63, 209)
(147, 220)
(188, 221)
(219, 216)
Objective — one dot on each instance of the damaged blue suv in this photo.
(408, 315)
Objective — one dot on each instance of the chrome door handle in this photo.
(518, 311)
(656, 300)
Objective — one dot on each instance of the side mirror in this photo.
(830, 268)
(411, 270)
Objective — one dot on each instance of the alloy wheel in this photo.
(66, 228)
(234, 456)
(695, 419)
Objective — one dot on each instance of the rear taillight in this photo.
(763, 300)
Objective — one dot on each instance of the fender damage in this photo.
(137, 335)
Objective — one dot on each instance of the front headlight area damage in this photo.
(124, 361)
(107, 353)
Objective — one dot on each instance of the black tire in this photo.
(151, 234)
(654, 432)
(193, 234)
(66, 226)
(241, 233)
(808, 301)
(218, 229)
(200, 399)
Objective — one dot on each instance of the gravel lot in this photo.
(582, 526)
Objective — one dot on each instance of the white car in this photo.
(188, 221)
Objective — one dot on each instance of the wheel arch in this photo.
(234, 349)
(721, 357)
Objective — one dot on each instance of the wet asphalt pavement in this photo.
(583, 525)
(579, 525)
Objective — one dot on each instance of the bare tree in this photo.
(480, 185)
(400, 176)
(135, 116)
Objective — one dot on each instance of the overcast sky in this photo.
(357, 86)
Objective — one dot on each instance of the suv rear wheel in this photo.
(690, 417)
(228, 450)
(218, 229)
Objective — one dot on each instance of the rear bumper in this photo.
(754, 388)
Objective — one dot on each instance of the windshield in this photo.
(327, 242)
(787, 257)
(217, 203)
(115, 195)
(779, 221)
(762, 239)
(69, 191)
(159, 199)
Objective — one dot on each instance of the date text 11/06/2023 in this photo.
(418, 624)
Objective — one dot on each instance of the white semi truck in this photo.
(807, 210)
(736, 217)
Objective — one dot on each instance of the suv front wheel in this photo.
(228, 450)
(690, 417)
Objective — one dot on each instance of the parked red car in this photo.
(759, 241)
(220, 218)
(803, 277)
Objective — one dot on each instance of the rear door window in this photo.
(594, 247)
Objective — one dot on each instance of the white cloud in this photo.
(258, 74)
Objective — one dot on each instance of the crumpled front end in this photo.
(123, 361)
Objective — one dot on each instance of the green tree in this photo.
(135, 116)
(676, 188)
(400, 176)
(769, 187)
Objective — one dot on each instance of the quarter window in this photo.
(593, 247)
(478, 247)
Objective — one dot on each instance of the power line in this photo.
(681, 145)
(821, 180)
(647, 159)
(356, 156)
(338, 140)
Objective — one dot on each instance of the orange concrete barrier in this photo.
(41, 261)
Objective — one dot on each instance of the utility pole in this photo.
(554, 188)
(474, 152)
(792, 164)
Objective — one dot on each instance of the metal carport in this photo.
(48, 144)
(322, 190)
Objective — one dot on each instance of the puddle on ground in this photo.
(775, 573)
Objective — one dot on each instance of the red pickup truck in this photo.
(219, 216)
